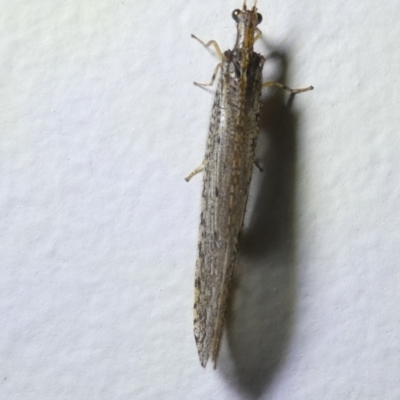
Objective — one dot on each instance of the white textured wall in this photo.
(100, 122)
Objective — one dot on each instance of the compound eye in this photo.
(259, 18)
(235, 15)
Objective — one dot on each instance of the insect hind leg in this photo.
(197, 170)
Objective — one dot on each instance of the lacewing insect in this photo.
(227, 166)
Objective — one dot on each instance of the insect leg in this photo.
(258, 34)
(220, 56)
(212, 78)
(208, 44)
(198, 169)
(284, 87)
(257, 164)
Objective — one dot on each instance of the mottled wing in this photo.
(228, 166)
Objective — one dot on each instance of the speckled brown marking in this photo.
(227, 166)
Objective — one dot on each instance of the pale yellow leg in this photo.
(198, 169)
(284, 87)
(208, 44)
(258, 34)
(212, 78)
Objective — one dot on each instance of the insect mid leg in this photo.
(212, 78)
(198, 169)
(284, 87)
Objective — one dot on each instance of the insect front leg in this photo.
(208, 44)
(198, 169)
(258, 34)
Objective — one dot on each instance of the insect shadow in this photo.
(262, 306)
